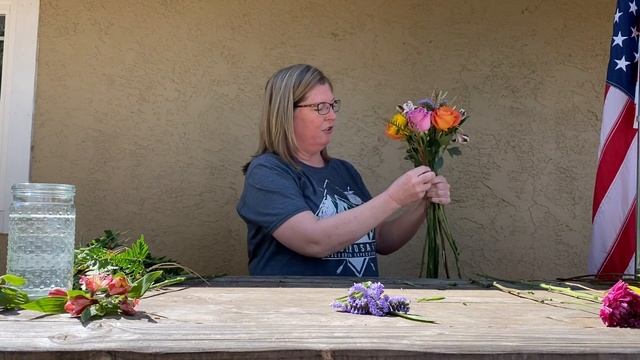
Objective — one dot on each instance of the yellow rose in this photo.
(445, 117)
(396, 126)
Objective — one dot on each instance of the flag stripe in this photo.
(623, 248)
(613, 210)
(614, 152)
(614, 102)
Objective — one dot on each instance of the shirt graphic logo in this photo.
(356, 256)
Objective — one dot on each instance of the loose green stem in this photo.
(530, 295)
(567, 291)
(168, 282)
(412, 317)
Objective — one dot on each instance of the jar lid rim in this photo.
(35, 187)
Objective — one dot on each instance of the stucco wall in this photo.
(151, 108)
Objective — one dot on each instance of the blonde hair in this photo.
(285, 89)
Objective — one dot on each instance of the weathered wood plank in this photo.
(263, 321)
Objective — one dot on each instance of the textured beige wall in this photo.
(151, 108)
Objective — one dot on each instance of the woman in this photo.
(310, 214)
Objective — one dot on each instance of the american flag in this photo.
(613, 242)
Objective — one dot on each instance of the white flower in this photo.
(459, 137)
(408, 106)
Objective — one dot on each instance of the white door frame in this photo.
(17, 96)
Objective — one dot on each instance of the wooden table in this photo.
(276, 318)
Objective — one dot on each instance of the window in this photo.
(18, 39)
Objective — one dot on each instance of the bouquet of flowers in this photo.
(428, 129)
(368, 298)
(102, 294)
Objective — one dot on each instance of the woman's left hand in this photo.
(439, 191)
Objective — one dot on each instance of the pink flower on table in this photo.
(76, 305)
(57, 292)
(95, 282)
(621, 307)
(419, 119)
(128, 306)
(119, 285)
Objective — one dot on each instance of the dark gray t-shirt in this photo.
(274, 191)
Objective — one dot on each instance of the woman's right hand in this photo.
(411, 186)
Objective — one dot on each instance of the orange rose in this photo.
(445, 117)
(395, 127)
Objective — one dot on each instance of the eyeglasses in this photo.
(322, 108)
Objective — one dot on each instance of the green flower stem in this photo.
(423, 150)
(530, 295)
(525, 295)
(567, 291)
(168, 282)
(438, 238)
(450, 240)
(430, 257)
(442, 234)
(411, 317)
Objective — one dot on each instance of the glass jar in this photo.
(42, 227)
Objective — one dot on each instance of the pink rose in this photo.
(128, 306)
(118, 285)
(93, 283)
(76, 305)
(419, 118)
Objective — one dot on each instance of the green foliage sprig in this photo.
(107, 254)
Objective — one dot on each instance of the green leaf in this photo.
(142, 285)
(87, 314)
(445, 140)
(12, 280)
(454, 151)
(47, 305)
(412, 317)
(342, 298)
(12, 298)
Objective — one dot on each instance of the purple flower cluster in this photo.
(621, 307)
(369, 298)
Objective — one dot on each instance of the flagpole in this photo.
(636, 271)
